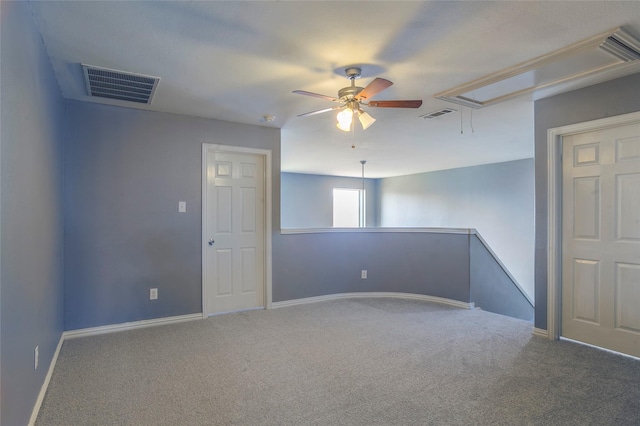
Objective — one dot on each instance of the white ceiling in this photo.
(237, 61)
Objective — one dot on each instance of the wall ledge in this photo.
(463, 231)
(412, 296)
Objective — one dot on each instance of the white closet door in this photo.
(601, 238)
(235, 253)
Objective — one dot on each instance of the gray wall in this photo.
(125, 171)
(307, 200)
(328, 263)
(491, 287)
(608, 99)
(31, 213)
(452, 266)
(496, 199)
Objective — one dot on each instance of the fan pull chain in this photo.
(353, 134)
(471, 121)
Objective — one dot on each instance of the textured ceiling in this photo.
(237, 61)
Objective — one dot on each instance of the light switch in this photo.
(182, 206)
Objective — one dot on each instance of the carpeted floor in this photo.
(343, 362)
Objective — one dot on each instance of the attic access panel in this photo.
(611, 50)
(119, 85)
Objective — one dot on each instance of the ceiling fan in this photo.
(352, 98)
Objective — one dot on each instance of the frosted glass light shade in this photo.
(345, 118)
(365, 119)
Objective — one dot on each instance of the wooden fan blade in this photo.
(375, 87)
(316, 95)
(395, 104)
(320, 111)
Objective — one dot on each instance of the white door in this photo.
(234, 231)
(601, 238)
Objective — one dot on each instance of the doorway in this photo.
(236, 229)
(594, 233)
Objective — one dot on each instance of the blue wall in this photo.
(125, 171)
(608, 99)
(307, 200)
(496, 199)
(451, 264)
(317, 264)
(491, 287)
(31, 213)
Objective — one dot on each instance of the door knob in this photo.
(211, 242)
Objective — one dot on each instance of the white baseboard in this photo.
(84, 332)
(540, 332)
(611, 351)
(259, 308)
(442, 300)
(45, 384)
(93, 331)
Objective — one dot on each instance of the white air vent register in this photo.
(119, 85)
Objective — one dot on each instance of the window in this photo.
(348, 208)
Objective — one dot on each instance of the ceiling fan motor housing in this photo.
(348, 93)
(353, 72)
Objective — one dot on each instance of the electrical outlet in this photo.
(153, 294)
(35, 358)
(364, 274)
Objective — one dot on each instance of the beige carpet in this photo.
(343, 362)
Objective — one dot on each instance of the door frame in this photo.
(554, 210)
(266, 154)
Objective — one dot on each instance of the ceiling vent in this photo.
(119, 85)
(438, 113)
(615, 50)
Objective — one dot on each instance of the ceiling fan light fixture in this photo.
(345, 118)
(352, 96)
(365, 119)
